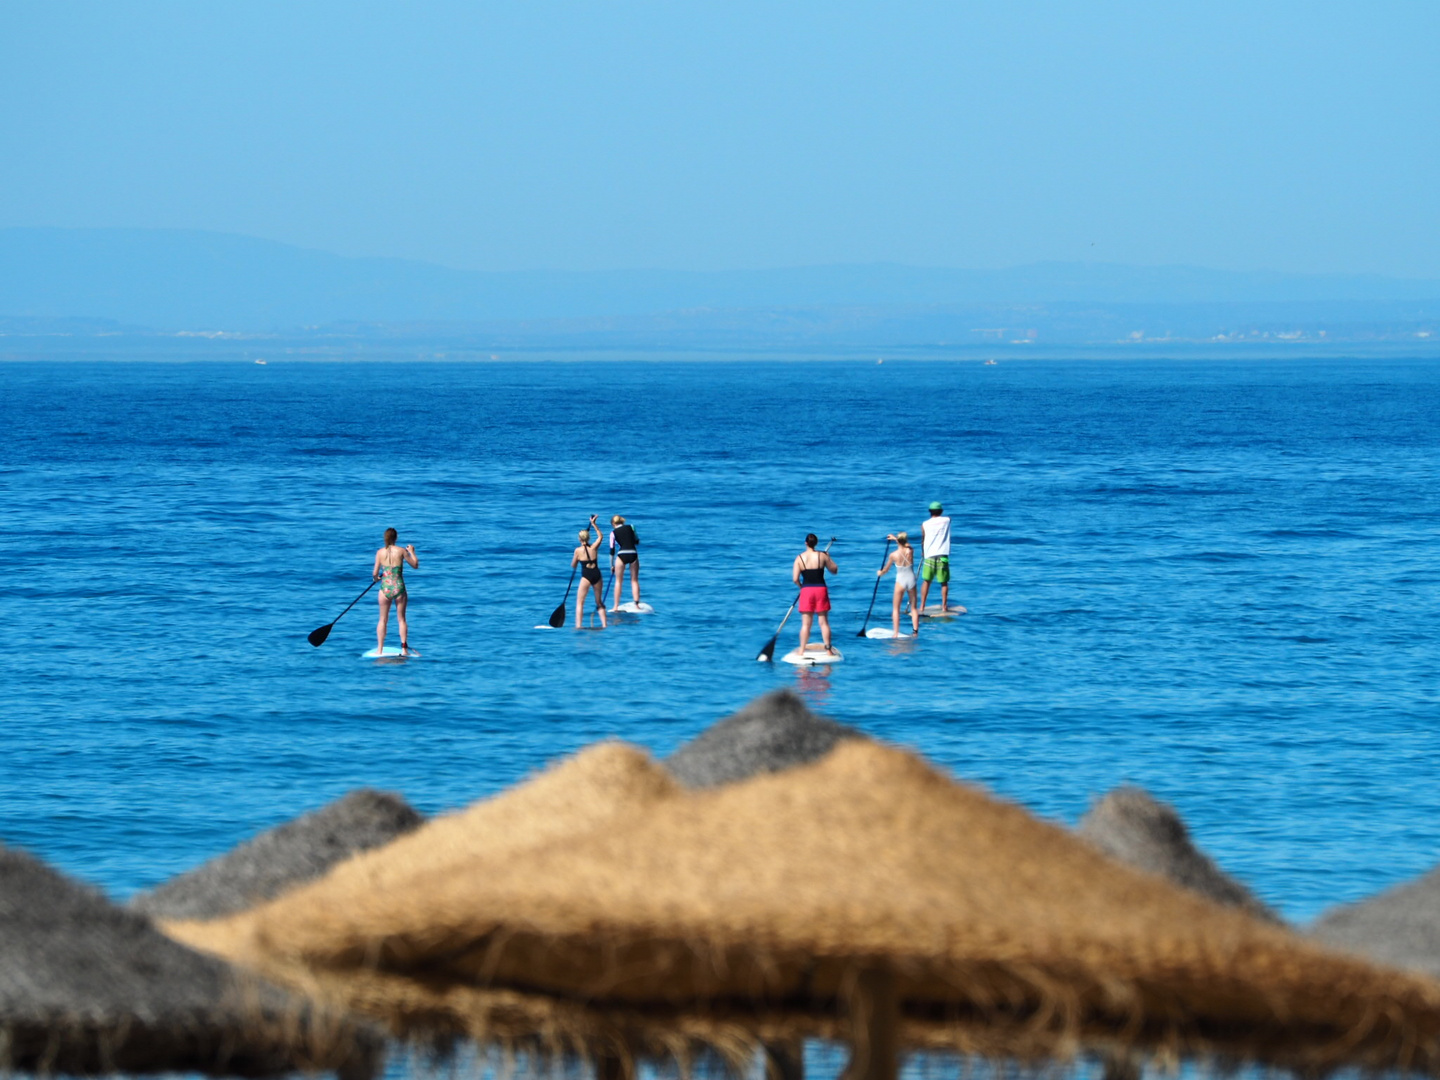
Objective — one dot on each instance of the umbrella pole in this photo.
(874, 1027)
(784, 1060)
(612, 1066)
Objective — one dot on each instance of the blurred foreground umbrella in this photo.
(865, 897)
(1133, 826)
(776, 731)
(87, 987)
(1399, 926)
(280, 858)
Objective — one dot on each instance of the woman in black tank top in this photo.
(624, 543)
(808, 572)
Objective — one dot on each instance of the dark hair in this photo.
(811, 540)
(391, 536)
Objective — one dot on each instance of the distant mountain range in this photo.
(171, 280)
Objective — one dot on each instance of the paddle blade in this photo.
(557, 617)
(317, 637)
(768, 652)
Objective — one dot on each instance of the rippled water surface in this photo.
(1214, 579)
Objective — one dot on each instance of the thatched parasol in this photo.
(1399, 926)
(865, 897)
(88, 987)
(280, 858)
(1133, 826)
(774, 732)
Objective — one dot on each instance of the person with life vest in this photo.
(624, 544)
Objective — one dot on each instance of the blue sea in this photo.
(1215, 579)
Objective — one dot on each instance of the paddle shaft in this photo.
(337, 618)
(873, 595)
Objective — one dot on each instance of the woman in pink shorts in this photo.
(809, 573)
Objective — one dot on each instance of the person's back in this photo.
(936, 531)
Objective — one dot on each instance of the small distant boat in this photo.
(260, 362)
(989, 363)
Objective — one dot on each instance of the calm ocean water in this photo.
(1214, 579)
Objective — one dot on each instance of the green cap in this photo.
(936, 506)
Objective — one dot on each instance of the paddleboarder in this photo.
(935, 533)
(903, 560)
(808, 571)
(623, 544)
(587, 557)
(389, 570)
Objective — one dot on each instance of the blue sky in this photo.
(587, 135)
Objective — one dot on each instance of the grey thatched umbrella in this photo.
(1399, 926)
(281, 858)
(773, 733)
(88, 987)
(1131, 825)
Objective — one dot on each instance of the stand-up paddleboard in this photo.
(390, 652)
(814, 654)
(884, 633)
(942, 613)
(632, 608)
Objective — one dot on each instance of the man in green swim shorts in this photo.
(936, 531)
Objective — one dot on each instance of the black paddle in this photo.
(876, 593)
(320, 633)
(557, 617)
(767, 654)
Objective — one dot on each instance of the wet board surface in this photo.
(390, 652)
(942, 613)
(884, 633)
(631, 608)
(814, 654)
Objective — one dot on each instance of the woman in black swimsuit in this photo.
(587, 557)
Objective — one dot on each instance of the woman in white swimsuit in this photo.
(903, 559)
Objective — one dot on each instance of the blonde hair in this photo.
(584, 535)
(903, 539)
(618, 519)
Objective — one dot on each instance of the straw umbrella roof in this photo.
(1133, 826)
(866, 896)
(89, 987)
(280, 858)
(774, 732)
(1399, 926)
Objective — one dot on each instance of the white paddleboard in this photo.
(884, 633)
(632, 608)
(390, 652)
(942, 613)
(814, 654)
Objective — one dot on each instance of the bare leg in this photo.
(635, 581)
(895, 611)
(924, 595)
(914, 611)
(825, 630)
(580, 603)
(804, 630)
(945, 596)
(384, 623)
(617, 571)
(400, 602)
(600, 606)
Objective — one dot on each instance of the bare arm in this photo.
(375, 570)
(830, 564)
(411, 557)
(889, 562)
(795, 569)
(575, 556)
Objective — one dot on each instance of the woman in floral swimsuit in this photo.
(389, 570)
